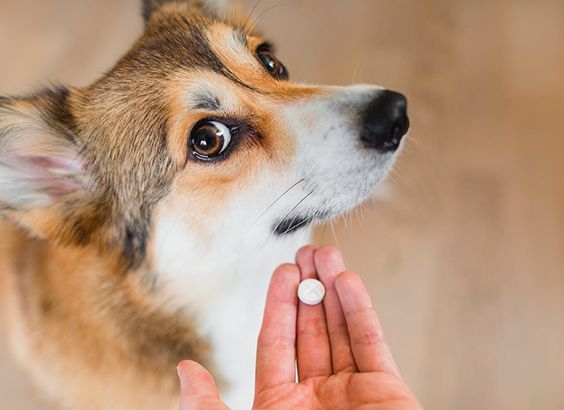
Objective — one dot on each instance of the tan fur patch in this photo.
(86, 311)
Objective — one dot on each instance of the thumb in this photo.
(197, 388)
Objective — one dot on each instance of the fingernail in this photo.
(180, 372)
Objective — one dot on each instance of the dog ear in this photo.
(150, 6)
(40, 162)
(209, 7)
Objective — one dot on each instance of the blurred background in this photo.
(463, 250)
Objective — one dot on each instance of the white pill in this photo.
(311, 291)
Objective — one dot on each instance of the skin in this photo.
(343, 361)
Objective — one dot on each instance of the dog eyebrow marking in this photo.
(206, 102)
(238, 39)
(241, 36)
(243, 84)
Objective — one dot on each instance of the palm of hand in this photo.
(342, 359)
(358, 391)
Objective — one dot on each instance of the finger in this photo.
(329, 263)
(369, 348)
(197, 388)
(276, 351)
(313, 350)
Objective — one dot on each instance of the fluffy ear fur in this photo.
(209, 7)
(40, 163)
(150, 6)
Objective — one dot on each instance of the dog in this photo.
(142, 215)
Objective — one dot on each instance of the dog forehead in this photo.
(184, 38)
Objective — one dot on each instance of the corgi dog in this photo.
(142, 216)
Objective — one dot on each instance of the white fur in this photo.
(233, 323)
(224, 285)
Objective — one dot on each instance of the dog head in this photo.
(196, 141)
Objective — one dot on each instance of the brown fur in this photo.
(88, 334)
(91, 170)
(75, 276)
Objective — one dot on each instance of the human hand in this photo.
(342, 358)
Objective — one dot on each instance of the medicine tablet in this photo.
(311, 291)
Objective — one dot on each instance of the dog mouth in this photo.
(290, 225)
(296, 223)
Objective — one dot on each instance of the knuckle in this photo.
(360, 311)
(339, 329)
(277, 343)
(369, 338)
(321, 371)
(312, 327)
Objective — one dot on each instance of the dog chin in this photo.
(287, 226)
(361, 190)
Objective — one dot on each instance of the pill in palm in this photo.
(311, 291)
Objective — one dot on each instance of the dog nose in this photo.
(385, 121)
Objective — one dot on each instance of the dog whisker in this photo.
(363, 208)
(260, 16)
(323, 231)
(357, 72)
(246, 27)
(290, 212)
(269, 207)
(308, 219)
(285, 217)
(335, 237)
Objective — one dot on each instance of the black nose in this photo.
(384, 121)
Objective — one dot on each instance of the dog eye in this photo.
(209, 140)
(271, 63)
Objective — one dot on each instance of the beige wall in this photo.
(464, 250)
